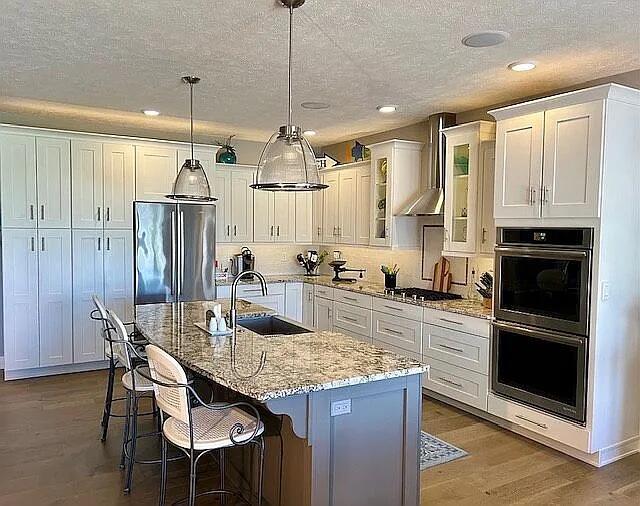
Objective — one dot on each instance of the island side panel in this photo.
(368, 457)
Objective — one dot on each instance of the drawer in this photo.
(397, 308)
(398, 331)
(456, 348)
(455, 321)
(531, 419)
(325, 292)
(353, 318)
(399, 351)
(223, 292)
(351, 333)
(256, 290)
(356, 299)
(457, 383)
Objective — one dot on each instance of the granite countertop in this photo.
(293, 364)
(466, 307)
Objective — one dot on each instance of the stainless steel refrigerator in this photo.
(175, 251)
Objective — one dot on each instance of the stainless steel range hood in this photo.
(431, 200)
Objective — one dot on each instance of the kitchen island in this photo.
(352, 410)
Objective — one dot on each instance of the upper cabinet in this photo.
(53, 167)
(274, 216)
(119, 185)
(549, 153)
(304, 217)
(468, 191)
(156, 170)
(395, 177)
(234, 207)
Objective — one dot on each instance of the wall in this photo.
(270, 258)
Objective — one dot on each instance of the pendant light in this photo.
(287, 162)
(191, 184)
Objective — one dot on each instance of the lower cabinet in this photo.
(275, 298)
(307, 305)
(293, 301)
(398, 331)
(323, 314)
(457, 383)
(352, 320)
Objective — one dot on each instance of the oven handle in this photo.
(550, 336)
(544, 253)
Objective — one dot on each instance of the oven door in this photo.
(546, 370)
(544, 287)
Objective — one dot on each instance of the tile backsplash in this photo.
(270, 258)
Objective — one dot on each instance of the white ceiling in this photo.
(353, 54)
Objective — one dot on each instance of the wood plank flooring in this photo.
(50, 454)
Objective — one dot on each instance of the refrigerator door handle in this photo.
(174, 248)
(180, 251)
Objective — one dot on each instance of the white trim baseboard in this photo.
(1, 362)
(54, 370)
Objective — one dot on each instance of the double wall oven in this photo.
(541, 331)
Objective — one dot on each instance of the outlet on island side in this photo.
(342, 407)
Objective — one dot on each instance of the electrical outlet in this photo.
(283, 256)
(606, 290)
(341, 407)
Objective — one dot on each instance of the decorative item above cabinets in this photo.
(469, 227)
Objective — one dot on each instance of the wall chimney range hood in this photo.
(430, 201)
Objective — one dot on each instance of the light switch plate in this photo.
(606, 290)
(341, 407)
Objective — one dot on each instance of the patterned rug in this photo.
(434, 451)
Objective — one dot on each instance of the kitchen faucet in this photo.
(234, 287)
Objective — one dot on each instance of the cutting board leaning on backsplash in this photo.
(432, 241)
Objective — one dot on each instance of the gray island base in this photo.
(351, 425)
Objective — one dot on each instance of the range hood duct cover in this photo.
(431, 201)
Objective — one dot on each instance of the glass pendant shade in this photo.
(191, 183)
(287, 163)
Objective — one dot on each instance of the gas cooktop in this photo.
(422, 294)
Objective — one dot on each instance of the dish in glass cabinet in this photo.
(382, 204)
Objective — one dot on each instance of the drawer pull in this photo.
(451, 321)
(252, 290)
(451, 348)
(394, 308)
(541, 425)
(449, 382)
(349, 319)
(397, 333)
(350, 298)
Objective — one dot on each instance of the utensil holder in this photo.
(488, 303)
(390, 281)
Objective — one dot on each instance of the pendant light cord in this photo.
(289, 118)
(191, 114)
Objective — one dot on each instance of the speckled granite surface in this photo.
(466, 307)
(294, 364)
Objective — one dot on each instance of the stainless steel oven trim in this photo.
(581, 327)
(575, 413)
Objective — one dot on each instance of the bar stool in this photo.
(200, 429)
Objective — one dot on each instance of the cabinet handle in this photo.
(271, 231)
(394, 308)
(541, 425)
(350, 298)
(42, 212)
(252, 290)
(457, 350)
(278, 230)
(42, 243)
(544, 194)
(108, 244)
(31, 212)
(451, 321)
(319, 231)
(228, 230)
(445, 380)
(532, 195)
(98, 213)
(33, 243)
(108, 214)
(235, 230)
(484, 235)
(99, 243)
(349, 319)
(395, 332)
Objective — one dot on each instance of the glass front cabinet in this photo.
(469, 227)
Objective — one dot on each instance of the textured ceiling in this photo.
(353, 54)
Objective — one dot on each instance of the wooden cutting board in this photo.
(442, 275)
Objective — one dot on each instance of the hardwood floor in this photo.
(50, 454)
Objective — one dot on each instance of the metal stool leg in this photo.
(260, 444)
(125, 432)
(163, 473)
(223, 499)
(134, 437)
(192, 480)
(108, 400)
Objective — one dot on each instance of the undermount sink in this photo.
(271, 326)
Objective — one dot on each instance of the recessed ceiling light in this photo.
(151, 112)
(522, 66)
(315, 105)
(386, 109)
(485, 39)
(309, 133)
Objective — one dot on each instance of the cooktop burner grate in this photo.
(423, 294)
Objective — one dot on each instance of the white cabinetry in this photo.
(53, 167)
(118, 272)
(363, 205)
(18, 167)
(304, 217)
(234, 208)
(156, 169)
(275, 298)
(307, 304)
(293, 301)
(468, 222)
(323, 313)
(330, 208)
(274, 216)
(20, 298)
(395, 176)
(119, 184)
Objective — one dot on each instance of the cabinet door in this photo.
(572, 149)
(275, 302)
(155, 172)
(88, 342)
(487, 239)
(363, 206)
(242, 206)
(55, 297)
(323, 314)
(20, 298)
(263, 220)
(461, 193)
(87, 177)
(381, 164)
(18, 167)
(293, 301)
(53, 167)
(347, 207)
(304, 217)
(307, 305)
(284, 217)
(119, 185)
(222, 191)
(518, 166)
(330, 208)
(317, 199)
(118, 272)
